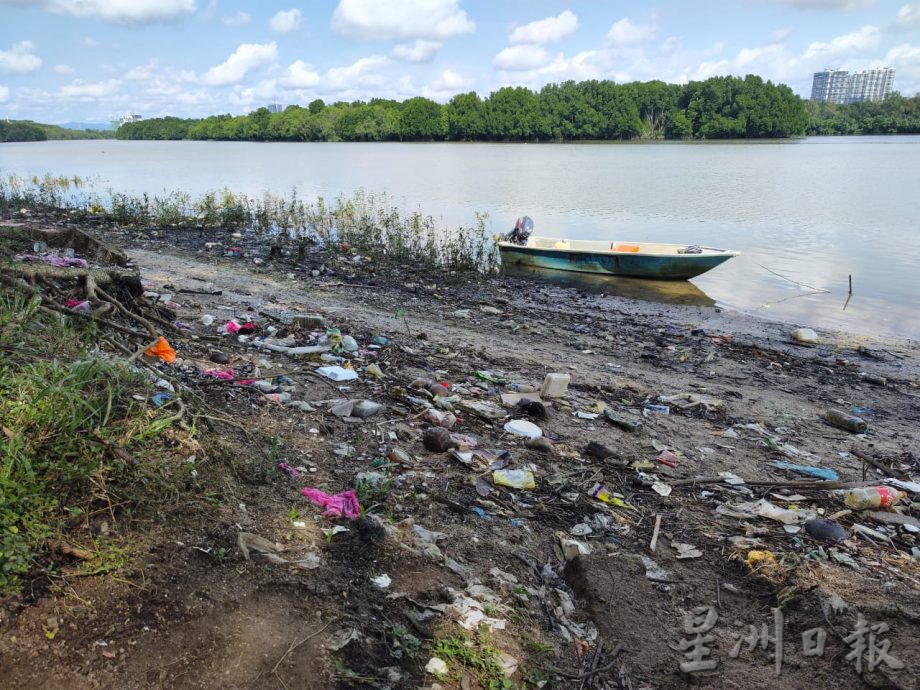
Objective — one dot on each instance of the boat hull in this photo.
(659, 267)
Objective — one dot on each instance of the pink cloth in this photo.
(231, 327)
(222, 374)
(54, 260)
(345, 503)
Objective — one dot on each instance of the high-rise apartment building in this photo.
(839, 86)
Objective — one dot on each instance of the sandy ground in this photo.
(603, 619)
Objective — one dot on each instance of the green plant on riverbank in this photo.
(282, 226)
(70, 442)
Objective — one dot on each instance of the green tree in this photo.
(466, 117)
(420, 119)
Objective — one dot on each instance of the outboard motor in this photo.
(522, 229)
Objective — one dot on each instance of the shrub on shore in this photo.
(283, 225)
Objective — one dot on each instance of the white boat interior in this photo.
(604, 247)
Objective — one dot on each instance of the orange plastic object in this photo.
(619, 247)
(162, 349)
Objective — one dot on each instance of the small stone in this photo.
(437, 439)
(366, 408)
(826, 530)
(541, 443)
(220, 357)
(533, 408)
(438, 391)
(307, 321)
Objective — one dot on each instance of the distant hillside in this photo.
(96, 126)
(26, 130)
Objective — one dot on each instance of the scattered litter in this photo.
(345, 503)
(685, 551)
(601, 494)
(521, 427)
(661, 488)
(655, 572)
(436, 666)
(341, 639)
(763, 508)
(337, 373)
(381, 581)
(805, 336)
(555, 386)
(846, 421)
(253, 542)
(759, 558)
(572, 548)
(819, 472)
(162, 349)
(686, 401)
(872, 497)
(625, 423)
(516, 479)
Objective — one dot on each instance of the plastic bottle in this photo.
(872, 497)
(846, 421)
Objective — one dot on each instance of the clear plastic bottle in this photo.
(869, 497)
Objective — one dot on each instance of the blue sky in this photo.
(93, 60)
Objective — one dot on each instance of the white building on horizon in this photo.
(126, 119)
(839, 86)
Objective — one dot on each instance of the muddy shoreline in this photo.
(613, 616)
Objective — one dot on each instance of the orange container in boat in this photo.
(621, 247)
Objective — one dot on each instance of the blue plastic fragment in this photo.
(819, 472)
(160, 399)
(481, 513)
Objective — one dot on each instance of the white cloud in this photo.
(78, 89)
(779, 35)
(300, 75)
(286, 21)
(626, 33)
(833, 5)
(359, 73)
(239, 19)
(90, 42)
(4, 94)
(120, 11)
(908, 17)
(866, 37)
(246, 58)
(63, 69)
(401, 19)
(521, 57)
(549, 30)
(19, 59)
(905, 58)
(418, 51)
(448, 84)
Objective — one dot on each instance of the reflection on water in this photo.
(663, 291)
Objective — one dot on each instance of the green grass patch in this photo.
(73, 442)
(473, 655)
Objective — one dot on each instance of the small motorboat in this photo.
(634, 259)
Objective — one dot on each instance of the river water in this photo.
(813, 211)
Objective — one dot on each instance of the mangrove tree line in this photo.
(718, 108)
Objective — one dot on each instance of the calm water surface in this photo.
(814, 210)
